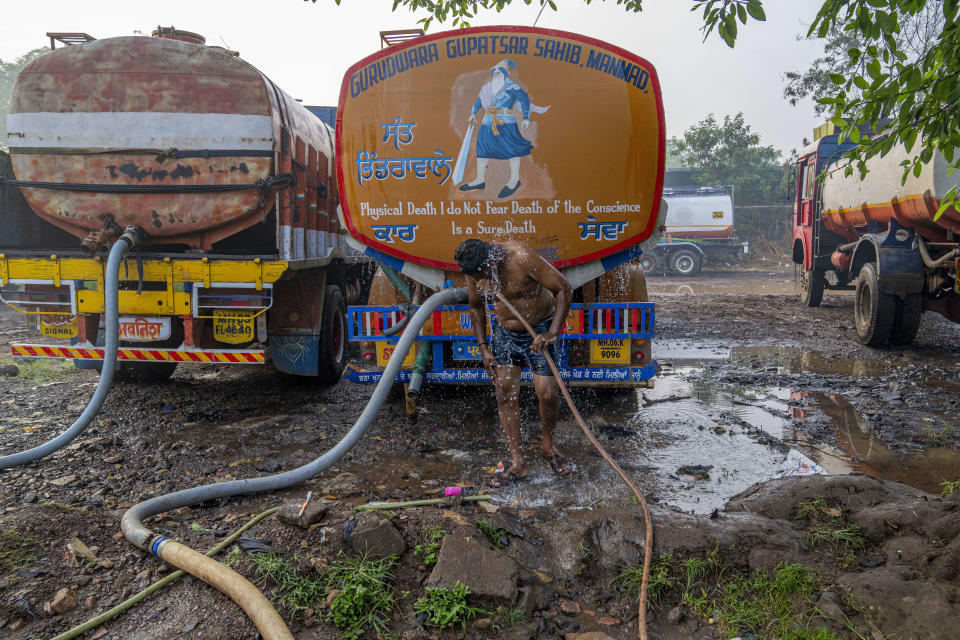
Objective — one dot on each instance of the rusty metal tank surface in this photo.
(850, 203)
(133, 114)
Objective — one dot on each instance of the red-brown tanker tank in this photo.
(179, 138)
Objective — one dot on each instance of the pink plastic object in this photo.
(452, 491)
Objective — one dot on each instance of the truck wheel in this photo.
(333, 337)
(811, 287)
(685, 263)
(906, 321)
(649, 263)
(146, 372)
(873, 310)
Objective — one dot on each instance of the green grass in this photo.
(447, 607)
(661, 580)
(360, 609)
(827, 527)
(294, 590)
(44, 370)
(846, 538)
(366, 595)
(232, 556)
(15, 550)
(949, 487)
(777, 606)
(811, 509)
(429, 550)
(496, 537)
(942, 437)
(767, 605)
(510, 617)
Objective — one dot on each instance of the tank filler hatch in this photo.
(398, 36)
(68, 38)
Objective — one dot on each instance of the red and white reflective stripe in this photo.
(214, 356)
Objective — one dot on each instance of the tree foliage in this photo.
(8, 74)
(721, 15)
(917, 35)
(730, 153)
(921, 93)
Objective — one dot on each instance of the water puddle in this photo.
(692, 441)
(778, 359)
(728, 283)
(862, 452)
(696, 443)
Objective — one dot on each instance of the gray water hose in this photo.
(129, 239)
(223, 578)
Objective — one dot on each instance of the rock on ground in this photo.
(63, 602)
(375, 535)
(488, 574)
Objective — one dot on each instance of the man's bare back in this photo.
(515, 278)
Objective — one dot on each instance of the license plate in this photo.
(610, 351)
(144, 328)
(58, 326)
(233, 327)
(385, 350)
(466, 351)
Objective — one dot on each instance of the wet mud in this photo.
(747, 376)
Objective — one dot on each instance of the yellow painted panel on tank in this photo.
(228, 271)
(49, 268)
(155, 303)
(544, 136)
(825, 129)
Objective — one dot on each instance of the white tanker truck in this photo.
(698, 228)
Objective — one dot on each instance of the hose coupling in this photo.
(133, 235)
(157, 545)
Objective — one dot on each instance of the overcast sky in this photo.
(305, 47)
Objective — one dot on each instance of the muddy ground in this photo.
(748, 375)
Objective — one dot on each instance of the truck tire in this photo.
(811, 287)
(149, 372)
(145, 372)
(333, 337)
(906, 321)
(873, 310)
(649, 263)
(685, 262)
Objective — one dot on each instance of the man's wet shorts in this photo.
(513, 347)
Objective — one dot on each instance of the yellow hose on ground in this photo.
(268, 622)
(648, 544)
(159, 584)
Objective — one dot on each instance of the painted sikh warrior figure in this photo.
(499, 135)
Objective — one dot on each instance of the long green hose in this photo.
(415, 503)
(159, 584)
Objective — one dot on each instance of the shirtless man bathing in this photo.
(542, 296)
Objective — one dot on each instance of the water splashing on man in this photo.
(542, 296)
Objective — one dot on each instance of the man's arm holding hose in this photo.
(478, 317)
(544, 273)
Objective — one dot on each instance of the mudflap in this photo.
(297, 355)
(900, 268)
